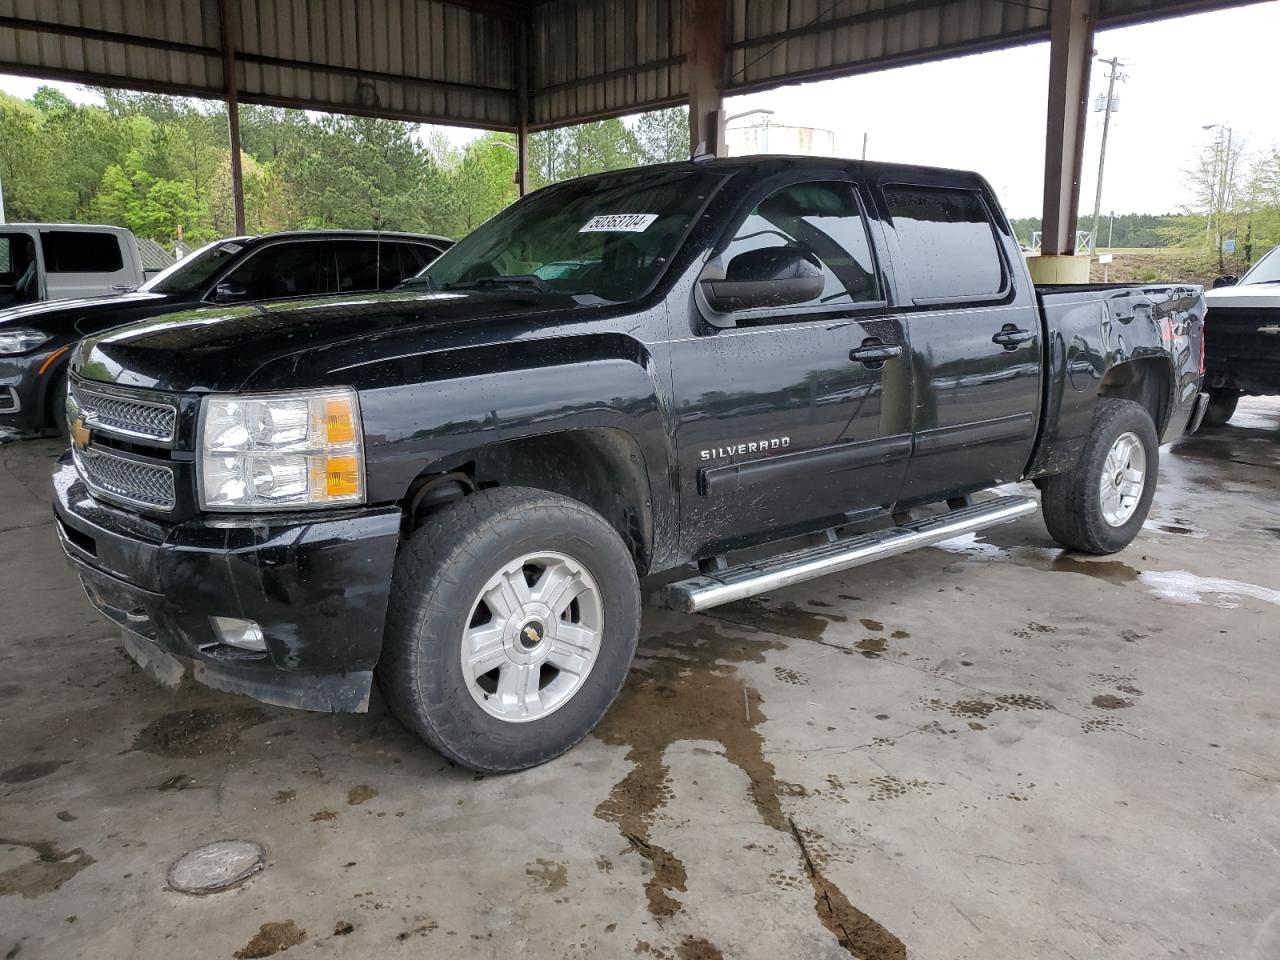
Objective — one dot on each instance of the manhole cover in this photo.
(216, 866)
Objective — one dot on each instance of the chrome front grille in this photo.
(125, 416)
(128, 481)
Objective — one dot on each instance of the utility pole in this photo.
(1115, 74)
(1221, 184)
(864, 145)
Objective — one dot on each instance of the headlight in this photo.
(21, 340)
(281, 451)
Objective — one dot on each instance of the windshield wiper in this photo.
(515, 280)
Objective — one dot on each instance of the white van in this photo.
(58, 261)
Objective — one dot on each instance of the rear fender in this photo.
(1137, 343)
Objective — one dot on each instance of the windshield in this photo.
(192, 274)
(1266, 270)
(606, 238)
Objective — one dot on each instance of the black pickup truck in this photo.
(456, 488)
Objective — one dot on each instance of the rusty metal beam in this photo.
(226, 10)
(1071, 25)
(704, 29)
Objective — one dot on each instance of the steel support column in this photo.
(1070, 55)
(522, 109)
(704, 29)
(227, 9)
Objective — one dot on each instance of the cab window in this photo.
(823, 220)
(948, 242)
(281, 270)
(80, 251)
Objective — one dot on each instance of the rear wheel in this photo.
(1101, 504)
(513, 621)
(1222, 405)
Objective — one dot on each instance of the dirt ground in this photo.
(989, 749)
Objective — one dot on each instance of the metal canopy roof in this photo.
(498, 63)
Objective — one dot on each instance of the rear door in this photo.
(779, 429)
(85, 263)
(974, 331)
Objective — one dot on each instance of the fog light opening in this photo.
(244, 634)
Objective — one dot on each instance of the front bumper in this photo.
(316, 584)
(24, 390)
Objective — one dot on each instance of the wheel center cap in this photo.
(531, 634)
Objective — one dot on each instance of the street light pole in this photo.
(1112, 77)
(1221, 183)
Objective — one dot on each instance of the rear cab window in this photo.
(950, 248)
(81, 251)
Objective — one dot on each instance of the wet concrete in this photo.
(992, 749)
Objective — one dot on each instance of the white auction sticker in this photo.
(619, 223)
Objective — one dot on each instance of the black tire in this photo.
(58, 404)
(1222, 405)
(439, 573)
(1072, 502)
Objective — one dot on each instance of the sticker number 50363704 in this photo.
(619, 223)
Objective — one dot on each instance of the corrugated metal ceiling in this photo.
(464, 61)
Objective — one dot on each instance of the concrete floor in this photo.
(987, 750)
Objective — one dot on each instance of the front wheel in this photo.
(513, 620)
(1101, 504)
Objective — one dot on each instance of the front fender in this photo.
(456, 402)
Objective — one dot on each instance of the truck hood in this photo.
(45, 313)
(1247, 295)
(218, 349)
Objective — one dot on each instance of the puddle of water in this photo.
(47, 873)
(786, 619)
(195, 733)
(27, 772)
(1111, 571)
(1183, 586)
(972, 546)
(688, 688)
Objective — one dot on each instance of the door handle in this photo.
(874, 352)
(1010, 336)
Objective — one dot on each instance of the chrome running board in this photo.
(748, 579)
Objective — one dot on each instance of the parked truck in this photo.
(59, 261)
(455, 489)
(1242, 338)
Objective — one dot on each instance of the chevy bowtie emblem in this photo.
(533, 635)
(80, 434)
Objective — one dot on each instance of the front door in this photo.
(974, 328)
(792, 419)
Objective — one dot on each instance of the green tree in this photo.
(662, 136)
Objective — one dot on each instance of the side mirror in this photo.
(767, 277)
(1227, 281)
(229, 292)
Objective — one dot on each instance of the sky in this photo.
(987, 112)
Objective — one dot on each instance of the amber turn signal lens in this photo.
(339, 421)
(342, 476)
